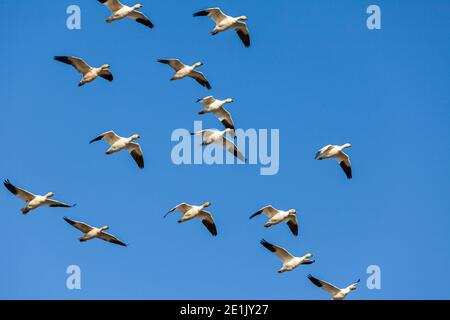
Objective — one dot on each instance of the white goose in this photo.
(183, 71)
(224, 22)
(118, 143)
(190, 212)
(213, 105)
(120, 11)
(277, 216)
(337, 153)
(219, 138)
(34, 201)
(336, 293)
(92, 232)
(289, 261)
(89, 73)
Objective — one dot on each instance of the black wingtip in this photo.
(255, 214)
(145, 22)
(315, 281)
(202, 13)
(60, 58)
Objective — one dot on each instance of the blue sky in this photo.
(314, 71)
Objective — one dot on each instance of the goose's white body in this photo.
(337, 152)
(120, 11)
(34, 201)
(182, 71)
(277, 216)
(190, 212)
(90, 232)
(118, 143)
(219, 138)
(224, 22)
(123, 12)
(216, 106)
(89, 73)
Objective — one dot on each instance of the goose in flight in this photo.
(341, 157)
(183, 71)
(118, 143)
(120, 11)
(277, 216)
(92, 232)
(89, 73)
(219, 138)
(216, 106)
(336, 293)
(190, 212)
(224, 22)
(289, 261)
(34, 201)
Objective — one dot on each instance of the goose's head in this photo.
(229, 100)
(135, 137)
(198, 64)
(308, 255)
(243, 18)
(138, 6)
(206, 204)
(292, 211)
(104, 228)
(105, 67)
(347, 145)
(49, 195)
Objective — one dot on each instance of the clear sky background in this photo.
(314, 71)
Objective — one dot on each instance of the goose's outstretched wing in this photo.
(208, 221)
(78, 63)
(55, 203)
(344, 161)
(214, 13)
(83, 227)
(136, 153)
(110, 137)
(269, 211)
(282, 253)
(139, 17)
(233, 149)
(292, 223)
(110, 238)
(112, 5)
(200, 78)
(182, 207)
(243, 33)
(324, 285)
(174, 63)
(22, 194)
(225, 117)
